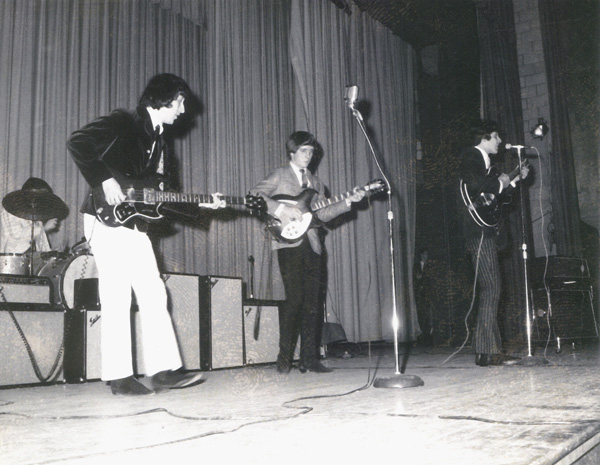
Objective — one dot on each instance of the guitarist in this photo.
(481, 176)
(300, 262)
(131, 144)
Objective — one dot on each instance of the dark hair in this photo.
(162, 89)
(482, 130)
(297, 140)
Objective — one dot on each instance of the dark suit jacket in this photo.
(119, 142)
(478, 180)
(284, 181)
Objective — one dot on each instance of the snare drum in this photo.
(15, 263)
(64, 271)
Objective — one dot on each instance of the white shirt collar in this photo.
(486, 158)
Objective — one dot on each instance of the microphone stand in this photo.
(251, 260)
(530, 360)
(399, 380)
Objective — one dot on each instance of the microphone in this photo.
(351, 94)
(509, 146)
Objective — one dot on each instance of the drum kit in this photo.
(61, 268)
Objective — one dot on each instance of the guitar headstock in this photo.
(255, 204)
(377, 185)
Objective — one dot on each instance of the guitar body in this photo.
(133, 206)
(486, 208)
(292, 231)
(118, 215)
(483, 208)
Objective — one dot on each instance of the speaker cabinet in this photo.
(221, 322)
(206, 312)
(184, 304)
(564, 314)
(82, 345)
(42, 332)
(207, 316)
(261, 332)
(183, 297)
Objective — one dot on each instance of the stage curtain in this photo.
(329, 51)
(565, 207)
(65, 62)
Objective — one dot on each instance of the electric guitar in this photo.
(144, 201)
(292, 231)
(486, 208)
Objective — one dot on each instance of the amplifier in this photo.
(32, 347)
(183, 293)
(82, 345)
(261, 332)
(564, 314)
(221, 322)
(25, 292)
(560, 273)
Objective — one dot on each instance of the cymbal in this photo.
(35, 205)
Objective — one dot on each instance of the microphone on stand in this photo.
(351, 94)
(522, 147)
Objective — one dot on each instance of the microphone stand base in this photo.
(532, 361)
(399, 381)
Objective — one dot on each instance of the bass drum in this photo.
(63, 272)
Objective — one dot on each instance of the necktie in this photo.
(304, 179)
(156, 146)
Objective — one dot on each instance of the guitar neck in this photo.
(152, 196)
(330, 201)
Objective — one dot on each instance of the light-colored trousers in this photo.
(126, 262)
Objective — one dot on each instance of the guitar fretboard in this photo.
(152, 196)
(330, 201)
(178, 197)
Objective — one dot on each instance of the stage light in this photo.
(540, 130)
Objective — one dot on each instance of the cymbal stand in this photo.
(399, 380)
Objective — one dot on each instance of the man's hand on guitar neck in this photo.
(357, 196)
(113, 194)
(217, 202)
(505, 178)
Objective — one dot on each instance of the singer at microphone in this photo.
(484, 189)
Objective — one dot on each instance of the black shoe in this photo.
(315, 367)
(501, 359)
(129, 387)
(177, 379)
(283, 366)
(482, 360)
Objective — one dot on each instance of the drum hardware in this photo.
(64, 272)
(35, 201)
(15, 263)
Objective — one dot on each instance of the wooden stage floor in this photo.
(464, 414)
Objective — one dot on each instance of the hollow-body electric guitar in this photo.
(144, 201)
(293, 231)
(486, 208)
